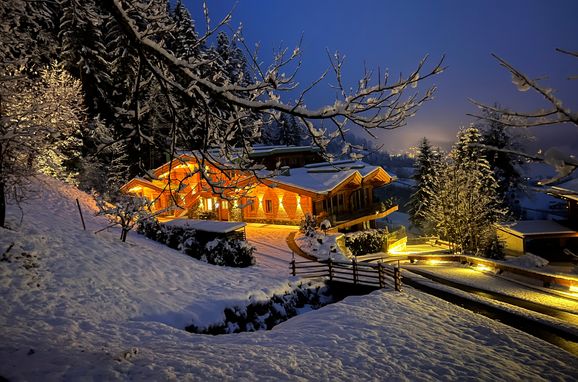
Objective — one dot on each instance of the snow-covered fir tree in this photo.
(427, 165)
(465, 204)
(505, 165)
(286, 131)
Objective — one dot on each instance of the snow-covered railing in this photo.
(377, 275)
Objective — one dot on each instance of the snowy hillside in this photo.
(81, 305)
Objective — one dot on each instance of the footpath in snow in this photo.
(76, 305)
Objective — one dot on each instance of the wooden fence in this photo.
(378, 275)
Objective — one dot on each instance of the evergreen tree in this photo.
(427, 168)
(465, 204)
(184, 41)
(285, 132)
(504, 165)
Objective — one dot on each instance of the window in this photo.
(251, 205)
(268, 206)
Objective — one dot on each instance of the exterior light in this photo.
(483, 268)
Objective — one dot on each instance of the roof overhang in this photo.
(538, 229)
(137, 184)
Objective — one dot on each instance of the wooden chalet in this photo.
(341, 192)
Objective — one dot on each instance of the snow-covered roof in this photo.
(322, 178)
(207, 225)
(568, 190)
(527, 228)
(259, 151)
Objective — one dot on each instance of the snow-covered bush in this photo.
(363, 242)
(190, 244)
(325, 225)
(151, 228)
(173, 236)
(308, 225)
(231, 252)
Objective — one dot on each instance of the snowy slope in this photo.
(76, 305)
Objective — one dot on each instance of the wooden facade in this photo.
(326, 191)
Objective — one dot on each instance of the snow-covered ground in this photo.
(76, 305)
(485, 280)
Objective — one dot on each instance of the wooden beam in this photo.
(366, 218)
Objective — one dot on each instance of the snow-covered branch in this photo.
(554, 114)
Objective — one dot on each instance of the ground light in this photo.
(483, 268)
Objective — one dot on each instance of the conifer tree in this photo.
(427, 168)
(465, 206)
(497, 135)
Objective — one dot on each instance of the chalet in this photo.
(555, 240)
(341, 191)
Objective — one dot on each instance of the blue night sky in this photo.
(397, 34)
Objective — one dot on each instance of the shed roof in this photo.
(533, 228)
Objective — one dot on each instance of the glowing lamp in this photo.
(483, 268)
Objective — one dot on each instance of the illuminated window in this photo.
(268, 206)
(209, 204)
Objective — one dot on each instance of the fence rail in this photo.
(378, 275)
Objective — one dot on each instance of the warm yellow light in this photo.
(573, 289)
(433, 262)
(135, 189)
(483, 268)
(186, 165)
(164, 175)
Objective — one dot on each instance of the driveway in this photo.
(270, 241)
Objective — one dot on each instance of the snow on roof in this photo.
(567, 189)
(207, 225)
(537, 227)
(258, 151)
(323, 177)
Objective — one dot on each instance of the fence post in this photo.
(293, 267)
(330, 267)
(397, 277)
(354, 271)
(81, 217)
(380, 274)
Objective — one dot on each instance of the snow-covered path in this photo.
(272, 253)
(483, 280)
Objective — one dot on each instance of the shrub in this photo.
(173, 236)
(308, 225)
(191, 245)
(151, 228)
(363, 242)
(231, 252)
